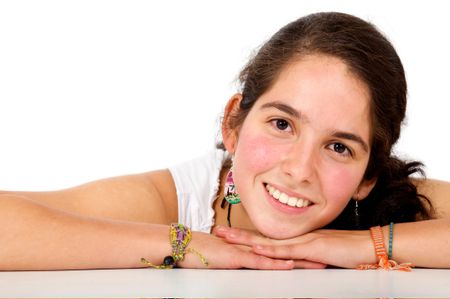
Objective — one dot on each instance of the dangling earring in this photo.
(230, 194)
(357, 222)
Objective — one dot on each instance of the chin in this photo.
(278, 232)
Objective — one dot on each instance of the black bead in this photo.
(169, 261)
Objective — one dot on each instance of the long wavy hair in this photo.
(372, 58)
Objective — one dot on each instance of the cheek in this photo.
(340, 184)
(256, 153)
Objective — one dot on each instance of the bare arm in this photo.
(438, 192)
(424, 243)
(148, 197)
(110, 223)
(35, 236)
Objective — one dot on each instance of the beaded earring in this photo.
(357, 222)
(230, 194)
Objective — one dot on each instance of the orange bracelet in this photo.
(380, 250)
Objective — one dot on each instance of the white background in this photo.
(92, 89)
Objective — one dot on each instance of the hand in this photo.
(223, 255)
(346, 249)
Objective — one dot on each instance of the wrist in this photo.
(179, 240)
(378, 235)
(385, 230)
(192, 259)
(371, 255)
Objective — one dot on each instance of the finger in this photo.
(240, 236)
(254, 261)
(305, 264)
(220, 231)
(294, 252)
(243, 237)
(225, 230)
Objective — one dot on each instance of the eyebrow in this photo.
(294, 113)
(285, 108)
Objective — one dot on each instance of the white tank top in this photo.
(197, 183)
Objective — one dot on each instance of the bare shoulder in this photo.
(146, 197)
(164, 184)
(438, 192)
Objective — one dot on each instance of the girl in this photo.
(306, 145)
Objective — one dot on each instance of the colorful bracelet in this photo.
(391, 237)
(380, 250)
(180, 236)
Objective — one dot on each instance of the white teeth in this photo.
(276, 194)
(289, 200)
(271, 190)
(284, 198)
(292, 201)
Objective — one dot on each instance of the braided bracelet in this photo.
(380, 250)
(180, 236)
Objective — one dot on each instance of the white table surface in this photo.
(187, 283)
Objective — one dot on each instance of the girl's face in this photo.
(301, 153)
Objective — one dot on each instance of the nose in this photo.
(300, 162)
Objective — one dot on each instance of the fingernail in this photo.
(290, 264)
(220, 228)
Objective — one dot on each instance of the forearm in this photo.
(36, 237)
(423, 243)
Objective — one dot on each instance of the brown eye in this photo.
(282, 124)
(339, 148)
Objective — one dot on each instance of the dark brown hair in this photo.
(373, 59)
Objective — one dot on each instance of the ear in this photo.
(364, 189)
(230, 134)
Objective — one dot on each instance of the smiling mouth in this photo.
(286, 199)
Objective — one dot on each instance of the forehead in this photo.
(325, 92)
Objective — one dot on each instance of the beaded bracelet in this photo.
(380, 250)
(391, 236)
(180, 236)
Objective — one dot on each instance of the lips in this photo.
(287, 200)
